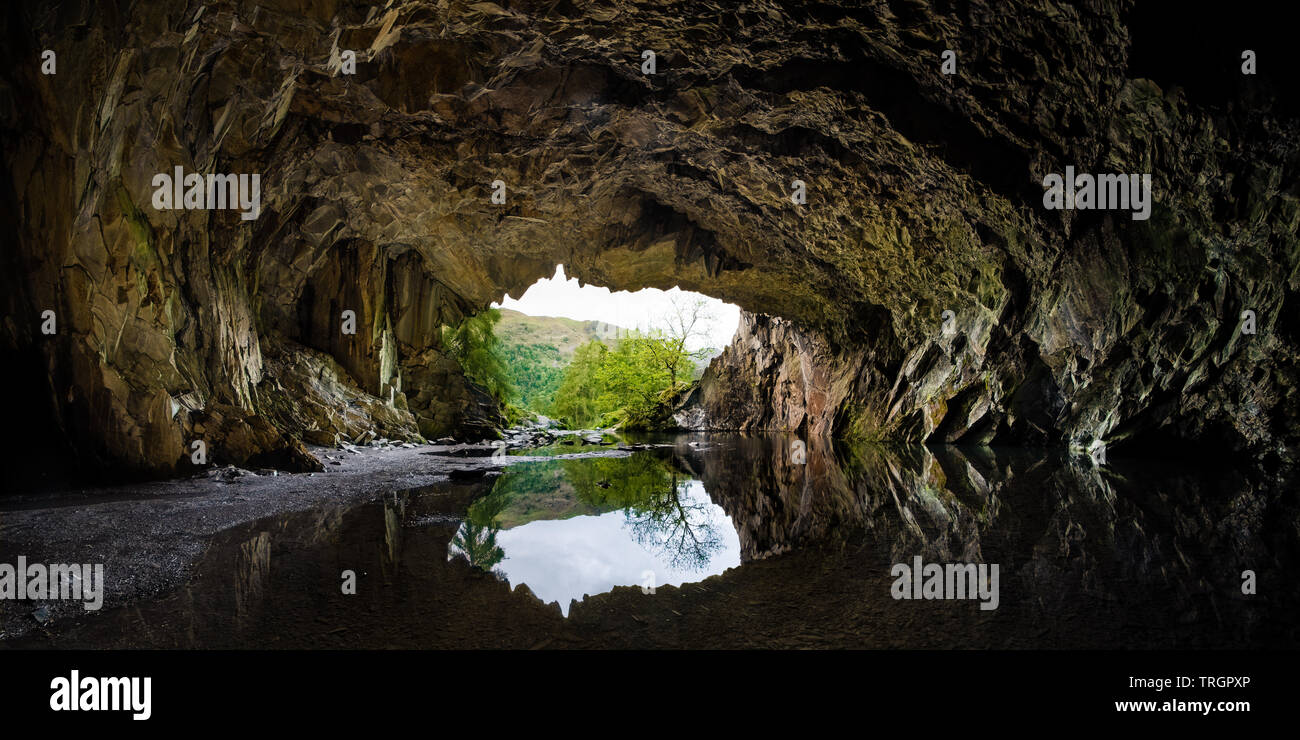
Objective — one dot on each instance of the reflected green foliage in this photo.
(526, 493)
(610, 483)
(476, 539)
(478, 544)
(650, 490)
(487, 509)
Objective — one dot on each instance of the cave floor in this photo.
(150, 535)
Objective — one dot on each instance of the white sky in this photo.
(561, 296)
(567, 559)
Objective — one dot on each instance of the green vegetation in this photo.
(536, 349)
(474, 345)
(630, 380)
(476, 539)
(649, 488)
(585, 373)
(535, 370)
(526, 493)
(620, 386)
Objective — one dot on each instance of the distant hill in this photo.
(565, 335)
(538, 348)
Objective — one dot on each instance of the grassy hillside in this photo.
(538, 348)
(566, 335)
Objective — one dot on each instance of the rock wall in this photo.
(924, 195)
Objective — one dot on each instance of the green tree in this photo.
(577, 400)
(535, 371)
(477, 543)
(476, 538)
(652, 491)
(623, 385)
(473, 343)
(686, 319)
(632, 378)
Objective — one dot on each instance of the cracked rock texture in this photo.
(923, 195)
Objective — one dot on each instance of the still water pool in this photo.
(747, 546)
(574, 528)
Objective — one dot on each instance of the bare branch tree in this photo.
(687, 318)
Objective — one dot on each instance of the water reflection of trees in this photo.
(476, 539)
(662, 517)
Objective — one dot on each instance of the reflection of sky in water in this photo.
(567, 559)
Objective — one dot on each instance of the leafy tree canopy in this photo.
(620, 385)
(474, 345)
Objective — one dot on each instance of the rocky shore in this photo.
(149, 535)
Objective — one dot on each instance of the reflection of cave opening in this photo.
(572, 527)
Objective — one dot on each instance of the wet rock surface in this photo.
(924, 196)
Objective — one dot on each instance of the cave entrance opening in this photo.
(589, 356)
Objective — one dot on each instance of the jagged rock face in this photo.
(308, 392)
(772, 376)
(924, 196)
